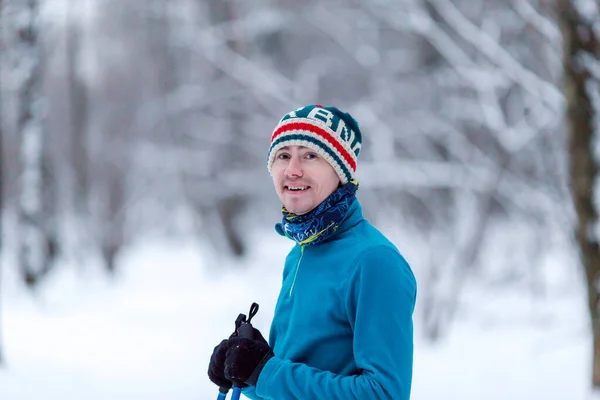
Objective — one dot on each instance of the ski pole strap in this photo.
(243, 327)
(253, 311)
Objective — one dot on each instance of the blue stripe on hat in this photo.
(310, 139)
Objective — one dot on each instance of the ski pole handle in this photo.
(246, 331)
(243, 329)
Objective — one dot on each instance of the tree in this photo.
(487, 103)
(2, 175)
(78, 115)
(37, 246)
(458, 100)
(218, 214)
(582, 90)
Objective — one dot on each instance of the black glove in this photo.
(246, 358)
(216, 366)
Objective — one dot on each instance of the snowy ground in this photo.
(148, 335)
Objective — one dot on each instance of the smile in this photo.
(297, 188)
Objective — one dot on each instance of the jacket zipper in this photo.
(297, 268)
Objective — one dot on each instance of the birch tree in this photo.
(581, 41)
(36, 243)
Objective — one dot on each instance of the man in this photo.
(342, 327)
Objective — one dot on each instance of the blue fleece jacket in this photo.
(342, 327)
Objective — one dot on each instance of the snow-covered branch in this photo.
(545, 26)
(211, 43)
(545, 91)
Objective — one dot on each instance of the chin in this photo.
(298, 210)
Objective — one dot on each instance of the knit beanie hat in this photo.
(331, 133)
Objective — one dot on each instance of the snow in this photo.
(587, 8)
(148, 333)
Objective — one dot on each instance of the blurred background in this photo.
(137, 211)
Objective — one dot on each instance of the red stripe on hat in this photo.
(304, 126)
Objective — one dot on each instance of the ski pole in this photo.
(222, 395)
(236, 393)
(243, 329)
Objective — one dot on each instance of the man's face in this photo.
(302, 178)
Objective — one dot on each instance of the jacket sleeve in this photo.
(380, 299)
(250, 392)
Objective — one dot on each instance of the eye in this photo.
(283, 156)
(310, 156)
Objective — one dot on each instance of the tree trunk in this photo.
(35, 247)
(3, 51)
(582, 93)
(78, 116)
(228, 207)
(113, 235)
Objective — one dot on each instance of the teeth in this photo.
(297, 187)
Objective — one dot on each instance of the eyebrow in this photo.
(287, 147)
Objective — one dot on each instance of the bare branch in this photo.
(211, 43)
(486, 45)
(544, 26)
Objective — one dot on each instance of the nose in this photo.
(294, 168)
